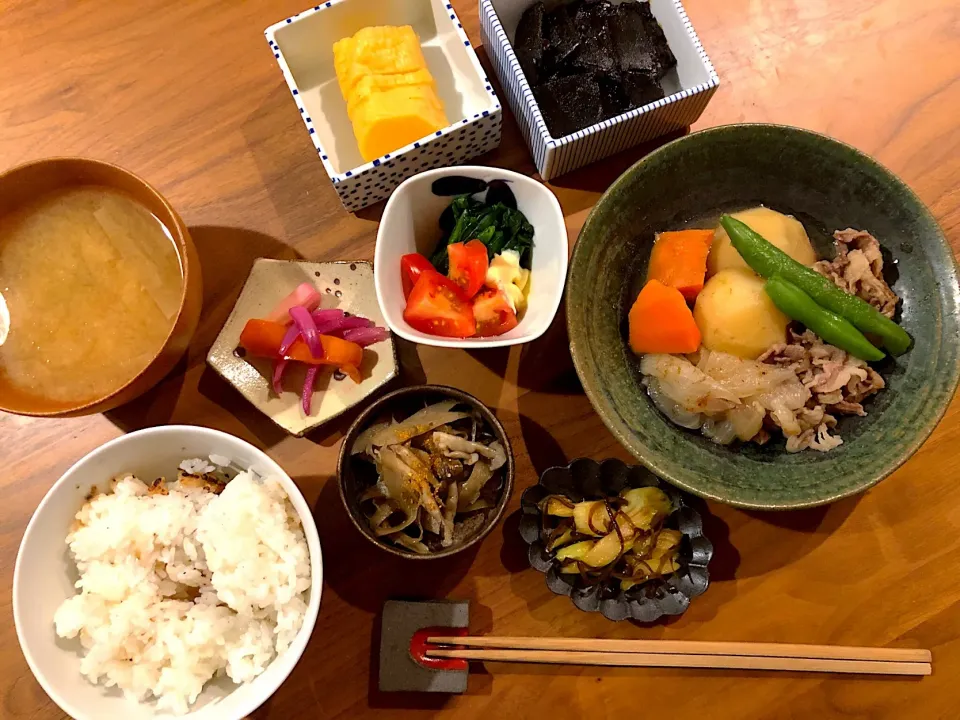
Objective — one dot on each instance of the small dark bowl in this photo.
(586, 479)
(356, 475)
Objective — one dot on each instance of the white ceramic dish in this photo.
(689, 89)
(345, 285)
(44, 575)
(410, 224)
(303, 47)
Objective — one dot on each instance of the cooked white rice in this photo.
(196, 466)
(178, 587)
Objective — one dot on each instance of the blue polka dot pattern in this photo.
(454, 145)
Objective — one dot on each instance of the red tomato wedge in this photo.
(263, 338)
(411, 267)
(437, 307)
(468, 266)
(493, 313)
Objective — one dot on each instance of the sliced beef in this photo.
(837, 381)
(858, 269)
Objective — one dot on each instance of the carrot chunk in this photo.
(679, 260)
(661, 322)
(263, 338)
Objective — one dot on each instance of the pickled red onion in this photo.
(364, 336)
(308, 330)
(306, 398)
(309, 323)
(293, 333)
(278, 367)
(327, 320)
(326, 314)
(354, 321)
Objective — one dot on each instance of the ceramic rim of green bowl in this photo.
(622, 432)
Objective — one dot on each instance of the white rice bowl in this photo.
(186, 584)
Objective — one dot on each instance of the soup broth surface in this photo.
(92, 284)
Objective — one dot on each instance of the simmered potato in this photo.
(736, 316)
(785, 232)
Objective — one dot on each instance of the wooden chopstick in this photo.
(733, 662)
(690, 647)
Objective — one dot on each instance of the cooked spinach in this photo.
(497, 226)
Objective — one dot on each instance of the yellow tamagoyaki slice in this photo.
(392, 118)
(369, 85)
(376, 51)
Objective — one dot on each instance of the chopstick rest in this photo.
(424, 646)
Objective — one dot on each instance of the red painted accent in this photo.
(419, 647)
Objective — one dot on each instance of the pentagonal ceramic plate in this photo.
(344, 285)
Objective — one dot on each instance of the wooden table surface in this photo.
(187, 95)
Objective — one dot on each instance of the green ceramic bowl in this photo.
(825, 184)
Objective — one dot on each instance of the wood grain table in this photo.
(187, 95)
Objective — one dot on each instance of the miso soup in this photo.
(92, 284)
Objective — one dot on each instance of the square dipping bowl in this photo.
(303, 47)
(688, 89)
(410, 224)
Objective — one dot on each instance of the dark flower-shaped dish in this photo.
(586, 479)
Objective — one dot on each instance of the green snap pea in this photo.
(796, 304)
(768, 260)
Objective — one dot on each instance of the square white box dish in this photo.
(688, 90)
(303, 47)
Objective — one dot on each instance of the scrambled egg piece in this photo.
(506, 275)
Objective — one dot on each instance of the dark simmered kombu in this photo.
(590, 60)
(570, 103)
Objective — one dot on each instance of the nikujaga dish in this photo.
(775, 341)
